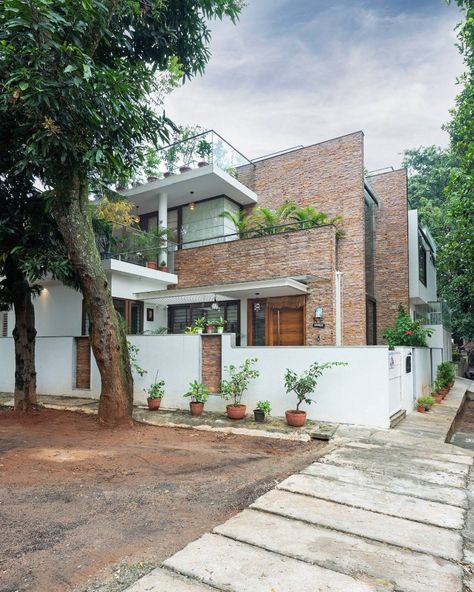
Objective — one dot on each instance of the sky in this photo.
(298, 72)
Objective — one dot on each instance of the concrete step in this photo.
(379, 464)
(397, 417)
(162, 580)
(233, 566)
(384, 502)
(424, 538)
(386, 482)
(344, 553)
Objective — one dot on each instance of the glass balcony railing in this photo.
(200, 150)
(434, 313)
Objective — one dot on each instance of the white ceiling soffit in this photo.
(195, 185)
(256, 289)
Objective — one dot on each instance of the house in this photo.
(296, 285)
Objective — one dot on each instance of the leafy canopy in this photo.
(406, 332)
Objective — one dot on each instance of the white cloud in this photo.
(286, 76)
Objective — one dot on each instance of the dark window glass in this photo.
(422, 261)
(258, 312)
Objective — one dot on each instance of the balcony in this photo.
(434, 313)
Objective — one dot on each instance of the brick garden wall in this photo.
(309, 252)
(391, 250)
(211, 362)
(328, 176)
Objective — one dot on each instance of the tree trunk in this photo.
(24, 335)
(108, 340)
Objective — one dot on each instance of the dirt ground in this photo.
(86, 508)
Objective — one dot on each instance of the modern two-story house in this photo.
(292, 285)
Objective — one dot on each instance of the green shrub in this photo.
(444, 374)
(426, 401)
(304, 385)
(233, 388)
(198, 392)
(264, 406)
(406, 332)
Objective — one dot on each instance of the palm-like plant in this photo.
(243, 221)
(269, 221)
(309, 217)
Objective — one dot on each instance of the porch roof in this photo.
(221, 292)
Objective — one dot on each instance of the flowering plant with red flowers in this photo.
(406, 331)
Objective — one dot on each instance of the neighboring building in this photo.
(299, 287)
(424, 303)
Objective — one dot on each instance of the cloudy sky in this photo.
(297, 72)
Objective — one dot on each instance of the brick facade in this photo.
(328, 176)
(211, 362)
(391, 246)
(309, 253)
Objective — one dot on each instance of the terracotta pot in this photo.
(236, 411)
(259, 415)
(184, 169)
(151, 265)
(168, 174)
(151, 178)
(196, 408)
(209, 328)
(153, 404)
(420, 408)
(444, 391)
(295, 418)
(203, 163)
(163, 268)
(438, 397)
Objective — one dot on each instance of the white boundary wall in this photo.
(356, 393)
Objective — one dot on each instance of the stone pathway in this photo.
(386, 512)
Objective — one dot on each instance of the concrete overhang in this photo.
(123, 268)
(222, 292)
(192, 186)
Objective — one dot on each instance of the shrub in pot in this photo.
(233, 387)
(444, 377)
(198, 393)
(406, 332)
(425, 402)
(200, 324)
(220, 324)
(303, 385)
(263, 408)
(155, 393)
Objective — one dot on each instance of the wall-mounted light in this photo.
(318, 313)
(192, 206)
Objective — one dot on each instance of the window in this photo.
(182, 316)
(130, 310)
(422, 261)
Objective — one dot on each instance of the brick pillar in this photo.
(211, 361)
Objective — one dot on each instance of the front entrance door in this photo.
(277, 321)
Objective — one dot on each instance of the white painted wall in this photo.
(357, 393)
(417, 291)
(422, 379)
(58, 311)
(440, 340)
(407, 397)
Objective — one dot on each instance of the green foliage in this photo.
(200, 323)
(198, 392)
(304, 384)
(150, 244)
(239, 378)
(444, 374)
(264, 406)
(156, 390)
(425, 401)
(133, 352)
(406, 332)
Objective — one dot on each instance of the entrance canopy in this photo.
(221, 292)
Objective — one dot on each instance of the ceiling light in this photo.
(192, 206)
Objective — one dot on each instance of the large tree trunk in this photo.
(24, 335)
(109, 344)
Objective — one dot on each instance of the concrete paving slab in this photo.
(378, 527)
(420, 472)
(343, 553)
(383, 502)
(161, 580)
(237, 567)
(395, 484)
(404, 439)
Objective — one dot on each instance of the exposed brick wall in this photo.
(328, 176)
(309, 252)
(211, 362)
(391, 250)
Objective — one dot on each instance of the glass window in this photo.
(421, 260)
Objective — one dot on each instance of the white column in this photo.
(338, 308)
(163, 222)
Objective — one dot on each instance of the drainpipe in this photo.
(163, 223)
(338, 307)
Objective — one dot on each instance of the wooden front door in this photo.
(277, 321)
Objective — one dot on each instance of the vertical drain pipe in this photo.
(338, 307)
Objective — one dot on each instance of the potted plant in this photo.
(263, 408)
(304, 385)
(406, 332)
(426, 402)
(437, 396)
(220, 324)
(162, 266)
(170, 158)
(233, 388)
(199, 324)
(151, 244)
(204, 150)
(210, 327)
(155, 393)
(198, 393)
